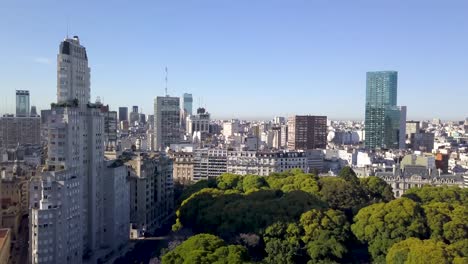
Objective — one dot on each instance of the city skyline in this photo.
(286, 66)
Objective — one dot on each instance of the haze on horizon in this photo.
(245, 59)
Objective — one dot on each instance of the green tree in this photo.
(383, 224)
(253, 182)
(297, 182)
(342, 194)
(376, 189)
(324, 233)
(429, 194)
(416, 251)
(282, 244)
(206, 248)
(230, 181)
(348, 174)
(447, 222)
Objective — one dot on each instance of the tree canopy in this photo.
(206, 248)
(297, 217)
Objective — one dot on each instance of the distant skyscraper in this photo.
(187, 103)
(22, 103)
(384, 124)
(134, 115)
(33, 111)
(167, 128)
(307, 132)
(123, 113)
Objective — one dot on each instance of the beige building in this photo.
(5, 245)
(183, 167)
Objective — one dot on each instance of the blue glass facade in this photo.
(383, 117)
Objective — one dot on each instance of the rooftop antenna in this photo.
(166, 81)
(68, 22)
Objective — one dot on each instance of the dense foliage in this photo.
(294, 217)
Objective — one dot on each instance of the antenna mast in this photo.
(166, 81)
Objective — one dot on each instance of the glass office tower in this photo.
(22, 103)
(383, 118)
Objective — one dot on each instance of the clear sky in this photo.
(245, 58)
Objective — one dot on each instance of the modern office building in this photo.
(307, 132)
(422, 141)
(66, 230)
(187, 104)
(167, 129)
(383, 119)
(123, 114)
(22, 103)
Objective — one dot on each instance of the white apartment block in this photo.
(74, 168)
(209, 163)
(117, 205)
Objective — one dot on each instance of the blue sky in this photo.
(245, 58)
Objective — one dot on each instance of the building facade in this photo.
(198, 123)
(187, 104)
(22, 103)
(123, 114)
(167, 129)
(209, 163)
(307, 132)
(67, 200)
(19, 131)
(385, 123)
(151, 191)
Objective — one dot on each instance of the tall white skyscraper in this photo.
(167, 128)
(67, 218)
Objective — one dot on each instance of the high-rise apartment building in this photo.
(167, 129)
(67, 214)
(307, 132)
(187, 104)
(123, 114)
(385, 123)
(19, 131)
(22, 103)
(110, 126)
